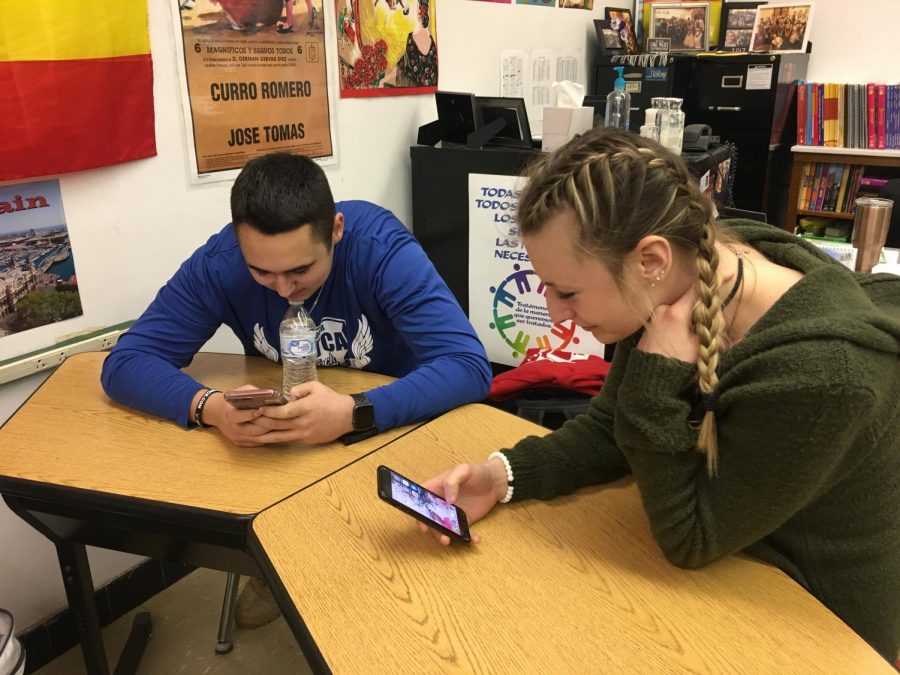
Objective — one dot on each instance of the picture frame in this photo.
(610, 40)
(456, 115)
(517, 131)
(686, 24)
(736, 25)
(782, 29)
(622, 20)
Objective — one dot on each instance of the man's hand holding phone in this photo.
(235, 413)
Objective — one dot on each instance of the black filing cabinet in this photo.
(748, 100)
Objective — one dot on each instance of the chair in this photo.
(891, 190)
(731, 212)
(548, 406)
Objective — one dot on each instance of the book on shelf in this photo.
(801, 112)
(870, 115)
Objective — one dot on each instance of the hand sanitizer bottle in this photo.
(618, 103)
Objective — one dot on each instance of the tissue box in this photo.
(561, 124)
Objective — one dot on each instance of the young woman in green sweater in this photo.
(754, 394)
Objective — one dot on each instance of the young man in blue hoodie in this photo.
(377, 300)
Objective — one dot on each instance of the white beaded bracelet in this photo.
(509, 475)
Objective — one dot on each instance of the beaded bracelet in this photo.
(509, 475)
(198, 411)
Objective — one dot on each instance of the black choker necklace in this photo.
(737, 282)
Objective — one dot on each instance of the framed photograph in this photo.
(610, 40)
(507, 119)
(736, 25)
(686, 24)
(782, 28)
(621, 21)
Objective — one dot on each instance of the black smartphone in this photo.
(422, 504)
(247, 399)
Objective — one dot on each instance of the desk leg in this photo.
(76, 573)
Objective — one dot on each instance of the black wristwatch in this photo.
(363, 413)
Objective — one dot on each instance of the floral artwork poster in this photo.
(387, 47)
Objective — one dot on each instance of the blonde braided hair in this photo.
(621, 188)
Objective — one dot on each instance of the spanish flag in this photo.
(77, 86)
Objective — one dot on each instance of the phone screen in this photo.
(422, 504)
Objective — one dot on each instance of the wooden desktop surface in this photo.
(576, 584)
(70, 434)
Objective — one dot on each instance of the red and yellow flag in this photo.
(77, 86)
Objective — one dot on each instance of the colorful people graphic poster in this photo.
(387, 47)
(506, 298)
(38, 285)
(538, 3)
(254, 81)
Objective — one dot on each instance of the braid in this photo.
(621, 188)
(707, 324)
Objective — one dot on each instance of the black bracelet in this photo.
(198, 411)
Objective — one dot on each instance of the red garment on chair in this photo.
(584, 373)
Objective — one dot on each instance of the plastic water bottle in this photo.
(298, 347)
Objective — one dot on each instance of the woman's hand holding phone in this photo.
(475, 488)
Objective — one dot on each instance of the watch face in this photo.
(363, 413)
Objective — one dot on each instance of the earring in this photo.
(659, 275)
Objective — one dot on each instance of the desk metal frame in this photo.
(72, 518)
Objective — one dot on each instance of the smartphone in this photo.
(246, 399)
(422, 504)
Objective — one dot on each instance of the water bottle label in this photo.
(299, 347)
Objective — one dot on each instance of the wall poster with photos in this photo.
(736, 25)
(782, 28)
(686, 24)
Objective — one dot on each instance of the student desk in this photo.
(572, 585)
(84, 470)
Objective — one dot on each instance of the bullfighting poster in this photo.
(254, 80)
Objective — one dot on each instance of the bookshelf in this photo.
(805, 154)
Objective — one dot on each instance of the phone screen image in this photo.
(424, 504)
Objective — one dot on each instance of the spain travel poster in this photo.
(255, 81)
(507, 304)
(38, 285)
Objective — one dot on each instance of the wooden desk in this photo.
(83, 470)
(572, 585)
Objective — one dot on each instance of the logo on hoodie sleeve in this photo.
(262, 345)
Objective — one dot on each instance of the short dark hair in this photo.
(280, 192)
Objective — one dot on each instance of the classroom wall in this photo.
(132, 224)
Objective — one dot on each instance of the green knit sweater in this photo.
(809, 441)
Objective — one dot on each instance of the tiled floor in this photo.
(185, 621)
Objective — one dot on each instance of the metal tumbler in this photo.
(870, 227)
